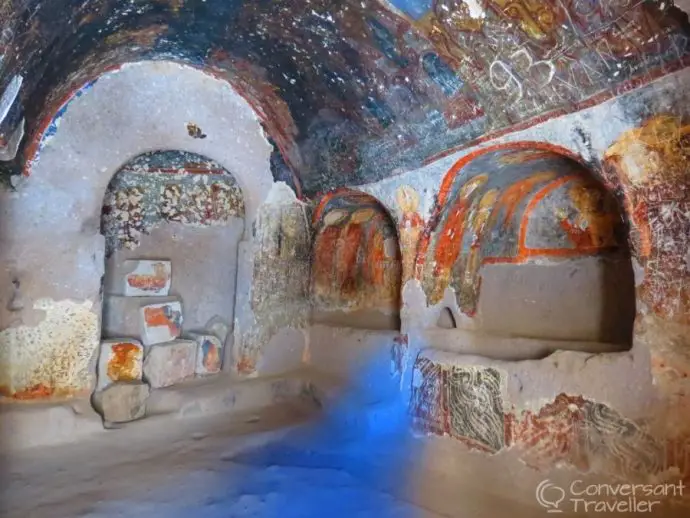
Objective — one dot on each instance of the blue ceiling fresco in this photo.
(355, 90)
(413, 8)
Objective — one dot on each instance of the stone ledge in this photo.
(29, 425)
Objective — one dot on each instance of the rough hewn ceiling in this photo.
(357, 90)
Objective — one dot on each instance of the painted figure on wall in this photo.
(451, 236)
(478, 220)
(508, 206)
(356, 257)
(595, 218)
(410, 228)
(650, 165)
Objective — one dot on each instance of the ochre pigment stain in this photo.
(124, 363)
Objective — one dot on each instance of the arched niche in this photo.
(530, 244)
(48, 347)
(356, 264)
(187, 213)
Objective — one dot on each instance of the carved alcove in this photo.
(182, 214)
(527, 244)
(356, 264)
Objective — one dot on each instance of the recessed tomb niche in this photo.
(172, 223)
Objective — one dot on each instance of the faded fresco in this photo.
(356, 261)
(511, 206)
(463, 402)
(147, 278)
(467, 403)
(410, 228)
(209, 355)
(340, 83)
(650, 165)
(161, 322)
(167, 187)
(587, 435)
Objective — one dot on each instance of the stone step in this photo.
(224, 394)
(28, 425)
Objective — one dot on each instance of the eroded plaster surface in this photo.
(273, 269)
(102, 127)
(53, 358)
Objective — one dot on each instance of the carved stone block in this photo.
(120, 360)
(170, 363)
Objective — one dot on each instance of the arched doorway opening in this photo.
(172, 223)
(528, 243)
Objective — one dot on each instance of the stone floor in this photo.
(285, 461)
(256, 465)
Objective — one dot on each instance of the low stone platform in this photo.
(28, 425)
(224, 394)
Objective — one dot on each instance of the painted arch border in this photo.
(465, 160)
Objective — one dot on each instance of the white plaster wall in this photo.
(497, 347)
(49, 227)
(369, 318)
(588, 299)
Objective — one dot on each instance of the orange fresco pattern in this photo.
(509, 204)
(150, 282)
(156, 317)
(356, 257)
